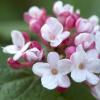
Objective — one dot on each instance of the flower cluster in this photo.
(72, 45)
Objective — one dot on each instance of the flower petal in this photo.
(64, 35)
(96, 91)
(35, 12)
(10, 49)
(97, 41)
(64, 66)
(46, 32)
(93, 65)
(41, 68)
(92, 78)
(77, 58)
(52, 59)
(68, 8)
(21, 52)
(49, 81)
(56, 42)
(17, 56)
(63, 81)
(94, 20)
(92, 54)
(78, 75)
(55, 26)
(85, 39)
(57, 8)
(25, 47)
(17, 38)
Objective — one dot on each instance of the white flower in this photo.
(94, 20)
(84, 66)
(34, 54)
(18, 46)
(83, 25)
(59, 8)
(52, 31)
(85, 39)
(35, 12)
(95, 90)
(54, 72)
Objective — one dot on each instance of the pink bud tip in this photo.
(61, 90)
(13, 64)
(35, 44)
(69, 51)
(35, 26)
(26, 36)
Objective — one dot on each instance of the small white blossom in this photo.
(59, 8)
(54, 72)
(18, 46)
(85, 39)
(83, 25)
(84, 66)
(52, 31)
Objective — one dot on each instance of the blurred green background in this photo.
(11, 13)
(11, 17)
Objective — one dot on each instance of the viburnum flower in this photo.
(89, 25)
(54, 72)
(59, 8)
(84, 66)
(52, 31)
(95, 90)
(83, 25)
(35, 17)
(34, 13)
(85, 39)
(65, 14)
(18, 46)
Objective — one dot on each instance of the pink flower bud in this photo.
(13, 64)
(35, 44)
(69, 23)
(17, 65)
(61, 90)
(69, 51)
(27, 17)
(26, 36)
(62, 17)
(35, 26)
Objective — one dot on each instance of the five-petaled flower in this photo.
(54, 72)
(19, 45)
(52, 31)
(84, 66)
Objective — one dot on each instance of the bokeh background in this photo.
(11, 17)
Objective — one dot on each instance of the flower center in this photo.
(81, 66)
(54, 71)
